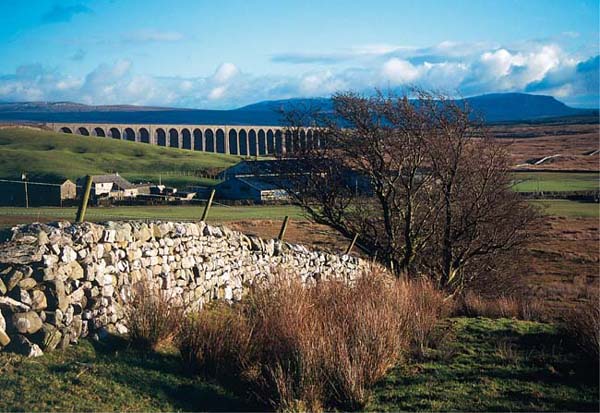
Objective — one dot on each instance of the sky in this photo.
(224, 54)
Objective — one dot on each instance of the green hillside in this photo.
(556, 181)
(48, 156)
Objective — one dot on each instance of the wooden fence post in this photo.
(352, 244)
(84, 199)
(283, 228)
(26, 195)
(208, 204)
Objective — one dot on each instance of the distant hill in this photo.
(323, 104)
(496, 107)
(50, 107)
(143, 115)
(49, 157)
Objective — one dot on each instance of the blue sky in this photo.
(225, 54)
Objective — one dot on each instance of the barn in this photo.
(21, 193)
(250, 188)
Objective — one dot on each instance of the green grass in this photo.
(487, 365)
(48, 155)
(493, 365)
(107, 377)
(567, 208)
(217, 213)
(556, 181)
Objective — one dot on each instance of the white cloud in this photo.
(531, 67)
(497, 63)
(399, 71)
(217, 92)
(68, 83)
(377, 49)
(321, 84)
(225, 72)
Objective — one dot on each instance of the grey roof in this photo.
(112, 178)
(259, 184)
(263, 167)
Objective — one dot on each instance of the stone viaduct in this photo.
(245, 140)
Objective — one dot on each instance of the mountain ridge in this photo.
(493, 107)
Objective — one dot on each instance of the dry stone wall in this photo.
(63, 281)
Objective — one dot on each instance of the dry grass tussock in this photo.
(582, 326)
(153, 316)
(314, 348)
(472, 304)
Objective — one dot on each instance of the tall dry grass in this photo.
(315, 348)
(472, 304)
(153, 317)
(216, 341)
(582, 326)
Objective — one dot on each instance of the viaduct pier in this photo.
(246, 140)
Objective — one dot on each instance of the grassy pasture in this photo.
(219, 213)
(493, 365)
(184, 213)
(48, 156)
(567, 208)
(107, 377)
(489, 365)
(556, 181)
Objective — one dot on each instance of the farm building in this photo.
(260, 168)
(271, 177)
(250, 188)
(109, 186)
(19, 193)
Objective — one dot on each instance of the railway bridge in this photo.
(248, 140)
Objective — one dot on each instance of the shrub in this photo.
(427, 307)
(216, 341)
(153, 317)
(471, 304)
(582, 325)
(301, 348)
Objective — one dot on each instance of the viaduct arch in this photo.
(244, 140)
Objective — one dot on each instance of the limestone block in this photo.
(49, 337)
(68, 254)
(27, 323)
(4, 338)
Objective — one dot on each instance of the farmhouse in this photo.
(21, 193)
(109, 186)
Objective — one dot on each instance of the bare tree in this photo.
(424, 186)
(482, 224)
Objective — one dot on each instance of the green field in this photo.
(486, 365)
(556, 181)
(48, 156)
(222, 213)
(567, 208)
(107, 377)
(184, 213)
(493, 365)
